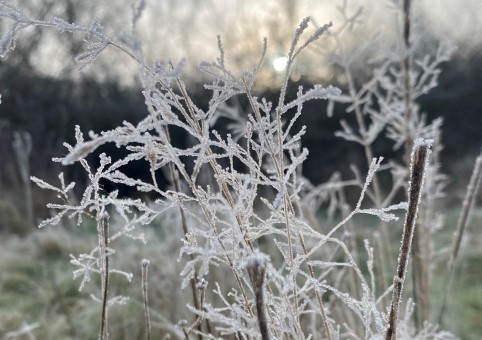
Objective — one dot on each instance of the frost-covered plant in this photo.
(283, 275)
(385, 105)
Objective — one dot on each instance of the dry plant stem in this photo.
(104, 230)
(195, 279)
(224, 189)
(351, 242)
(352, 247)
(406, 65)
(190, 117)
(279, 171)
(289, 207)
(420, 269)
(279, 125)
(214, 164)
(417, 171)
(145, 266)
(366, 145)
(257, 271)
(197, 323)
(369, 156)
(324, 317)
(424, 245)
(472, 189)
(286, 198)
(373, 166)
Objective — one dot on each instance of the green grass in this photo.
(37, 286)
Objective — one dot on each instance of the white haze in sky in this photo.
(188, 29)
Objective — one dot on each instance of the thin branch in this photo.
(256, 267)
(104, 334)
(472, 189)
(145, 266)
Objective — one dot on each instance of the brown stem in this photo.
(257, 269)
(420, 270)
(104, 334)
(288, 205)
(145, 266)
(417, 172)
(194, 281)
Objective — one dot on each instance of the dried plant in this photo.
(419, 160)
(470, 195)
(145, 266)
(315, 284)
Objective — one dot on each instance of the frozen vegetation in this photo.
(254, 262)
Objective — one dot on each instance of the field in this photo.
(38, 290)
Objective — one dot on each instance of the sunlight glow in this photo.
(279, 63)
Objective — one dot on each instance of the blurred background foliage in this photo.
(44, 95)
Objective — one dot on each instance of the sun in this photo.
(279, 63)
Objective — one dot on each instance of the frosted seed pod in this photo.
(151, 156)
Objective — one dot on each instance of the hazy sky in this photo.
(188, 28)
